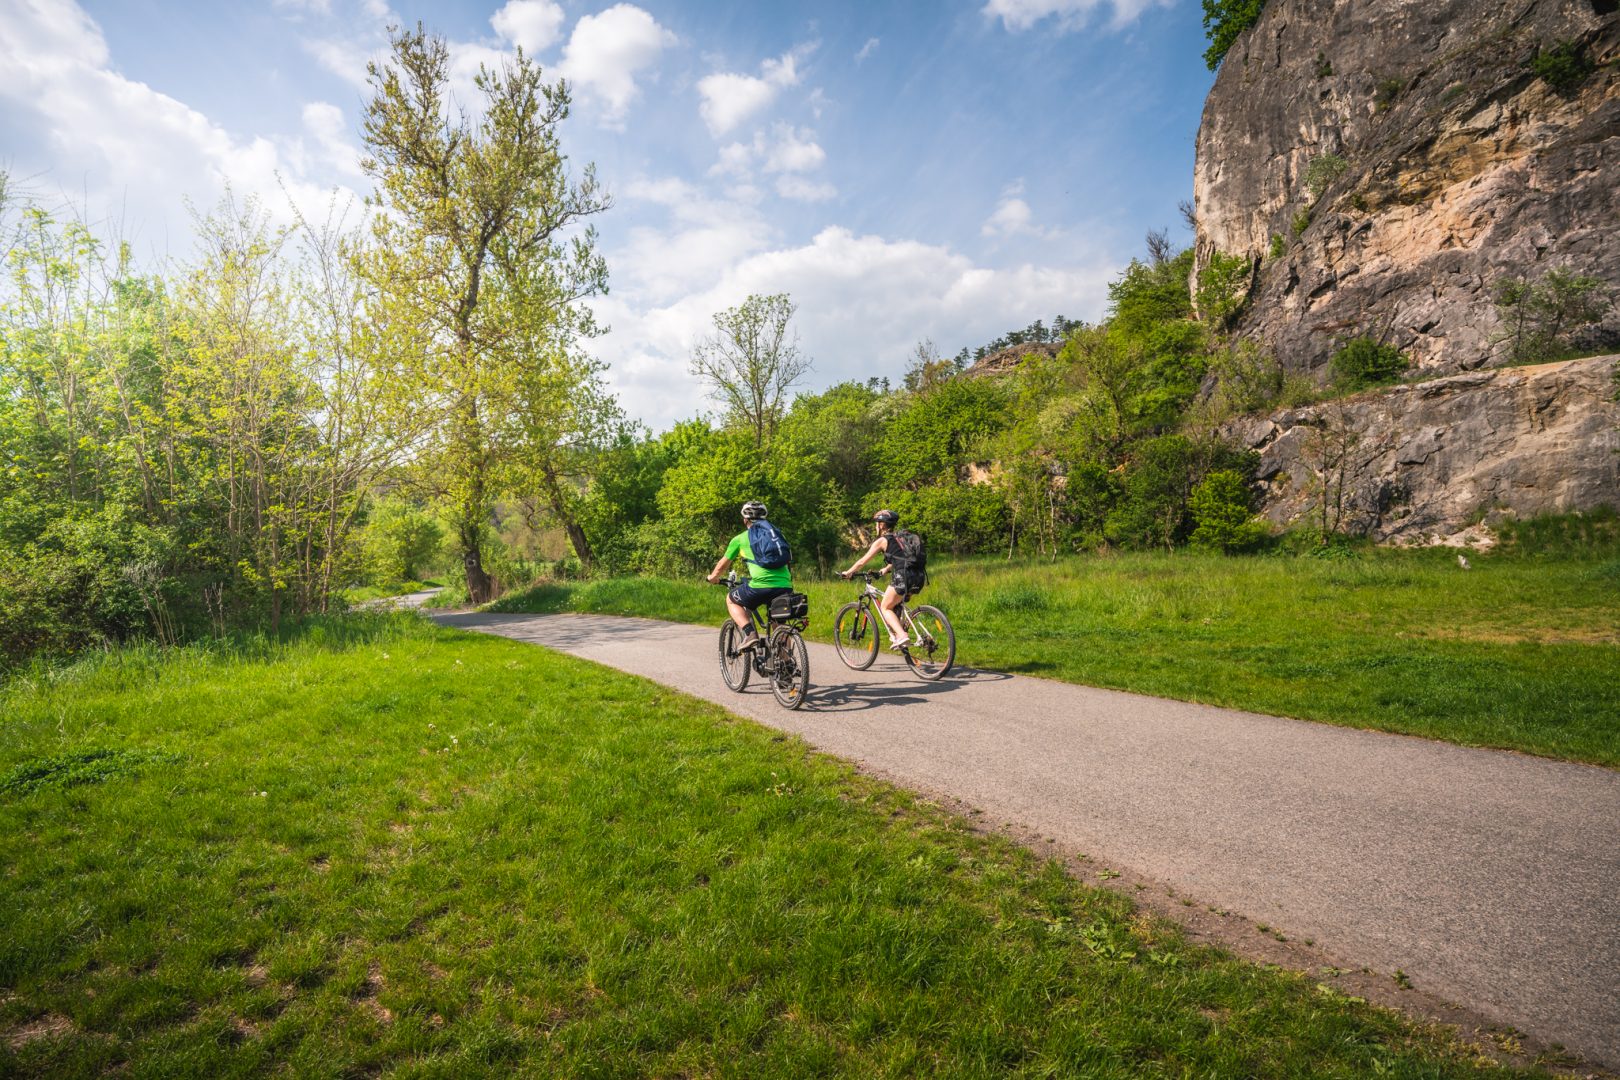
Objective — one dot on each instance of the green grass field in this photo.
(1520, 652)
(388, 849)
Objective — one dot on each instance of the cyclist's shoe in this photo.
(898, 644)
(750, 643)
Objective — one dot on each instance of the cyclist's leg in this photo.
(891, 618)
(739, 602)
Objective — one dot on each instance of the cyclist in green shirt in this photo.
(763, 585)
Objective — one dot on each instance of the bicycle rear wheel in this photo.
(734, 665)
(855, 634)
(933, 648)
(790, 668)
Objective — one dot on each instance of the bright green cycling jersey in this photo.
(758, 576)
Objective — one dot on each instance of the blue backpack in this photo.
(770, 547)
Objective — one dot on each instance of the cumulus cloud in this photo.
(729, 97)
(606, 52)
(787, 152)
(864, 301)
(1012, 215)
(70, 111)
(532, 25)
(1018, 15)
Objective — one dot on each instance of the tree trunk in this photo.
(559, 509)
(472, 557)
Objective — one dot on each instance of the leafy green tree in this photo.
(401, 541)
(1224, 20)
(751, 361)
(1222, 510)
(478, 268)
(1541, 317)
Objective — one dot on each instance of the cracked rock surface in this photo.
(1421, 463)
(1442, 165)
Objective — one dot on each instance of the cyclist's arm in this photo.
(871, 553)
(714, 575)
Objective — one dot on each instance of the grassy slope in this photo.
(396, 849)
(1519, 652)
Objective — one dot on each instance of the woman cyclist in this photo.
(899, 554)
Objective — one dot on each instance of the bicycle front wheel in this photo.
(855, 634)
(733, 664)
(933, 643)
(790, 668)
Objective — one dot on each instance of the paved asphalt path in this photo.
(1492, 879)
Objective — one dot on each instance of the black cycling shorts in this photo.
(904, 585)
(751, 598)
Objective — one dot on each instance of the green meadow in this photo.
(381, 848)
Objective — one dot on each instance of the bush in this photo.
(1300, 223)
(1364, 361)
(1223, 288)
(1222, 509)
(1564, 67)
(400, 542)
(1322, 171)
(1385, 93)
(1160, 476)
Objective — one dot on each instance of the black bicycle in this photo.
(782, 658)
(930, 647)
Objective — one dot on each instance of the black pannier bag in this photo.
(792, 606)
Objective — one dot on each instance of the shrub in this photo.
(1364, 361)
(1385, 93)
(400, 540)
(1564, 67)
(1222, 509)
(1322, 171)
(1301, 222)
(1279, 247)
(1160, 476)
(1223, 287)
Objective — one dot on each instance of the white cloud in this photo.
(121, 143)
(312, 7)
(605, 53)
(329, 132)
(1012, 216)
(863, 303)
(867, 50)
(794, 151)
(1018, 15)
(788, 151)
(729, 97)
(805, 189)
(533, 25)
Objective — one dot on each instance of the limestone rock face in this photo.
(1423, 462)
(1456, 167)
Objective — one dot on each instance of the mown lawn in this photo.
(390, 849)
(1520, 652)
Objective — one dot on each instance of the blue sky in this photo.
(944, 170)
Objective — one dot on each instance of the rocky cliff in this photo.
(1385, 163)
(1423, 462)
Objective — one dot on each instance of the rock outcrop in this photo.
(1421, 463)
(1441, 164)
(1006, 361)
